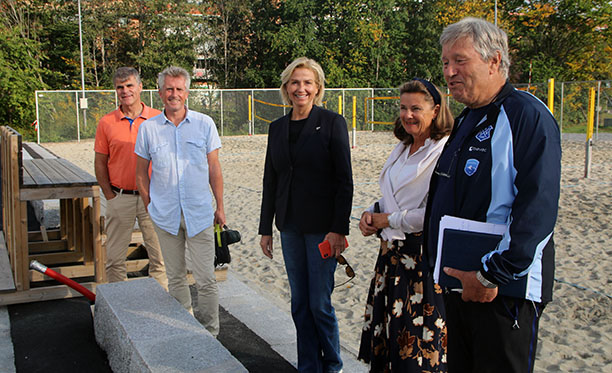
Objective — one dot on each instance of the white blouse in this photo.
(404, 183)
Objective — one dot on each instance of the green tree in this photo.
(230, 31)
(417, 50)
(19, 78)
(564, 39)
(146, 34)
(263, 66)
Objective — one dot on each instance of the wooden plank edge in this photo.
(43, 294)
(65, 292)
(29, 192)
(86, 270)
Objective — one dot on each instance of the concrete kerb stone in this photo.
(260, 315)
(269, 321)
(143, 329)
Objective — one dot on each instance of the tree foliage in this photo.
(238, 44)
(230, 41)
(20, 76)
(146, 34)
(566, 39)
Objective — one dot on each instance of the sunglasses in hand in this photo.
(348, 269)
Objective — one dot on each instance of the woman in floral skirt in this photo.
(404, 329)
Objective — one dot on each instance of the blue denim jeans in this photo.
(311, 279)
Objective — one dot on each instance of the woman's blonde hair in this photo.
(309, 64)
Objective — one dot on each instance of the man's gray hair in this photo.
(173, 71)
(124, 73)
(486, 38)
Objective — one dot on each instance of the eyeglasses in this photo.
(445, 165)
(349, 270)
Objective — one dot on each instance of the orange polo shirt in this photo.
(116, 138)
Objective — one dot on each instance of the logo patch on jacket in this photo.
(484, 134)
(471, 166)
(475, 149)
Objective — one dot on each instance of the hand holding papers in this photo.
(461, 245)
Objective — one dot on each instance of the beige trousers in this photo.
(121, 213)
(201, 251)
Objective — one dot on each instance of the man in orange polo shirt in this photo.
(115, 165)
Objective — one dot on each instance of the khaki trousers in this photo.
(201, 251)
(121, 213)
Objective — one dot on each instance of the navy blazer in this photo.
(318, 182)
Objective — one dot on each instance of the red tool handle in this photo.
(37, 266)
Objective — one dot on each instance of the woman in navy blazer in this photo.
(308, 191)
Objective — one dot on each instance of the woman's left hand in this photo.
(365, 224)
(336, 242)
(380, 220)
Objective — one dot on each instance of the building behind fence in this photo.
(74, 115)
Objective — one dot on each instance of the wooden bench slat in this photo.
(84, 176)
(57, 172)
(54, 176)
(43, 293)
(61, 192)
(45, 247)
(36, 151)
(35, 175)
(27, 178)
(51, 259)
(52, 234)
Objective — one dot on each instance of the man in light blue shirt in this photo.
(183, 148)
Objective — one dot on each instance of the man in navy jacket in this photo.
(501, 164)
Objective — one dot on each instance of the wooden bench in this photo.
(75, 248)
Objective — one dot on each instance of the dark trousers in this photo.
(500, 336)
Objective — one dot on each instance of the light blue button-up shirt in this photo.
(179, 176)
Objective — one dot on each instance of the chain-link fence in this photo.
(571, 103)
(65, 116)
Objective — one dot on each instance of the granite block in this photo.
(144, 329)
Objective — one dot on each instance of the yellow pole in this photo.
(591, 114)
(365, 110)
(250, 113)
(340, 105)
(551, 95)
(589, 134)
(354, 119)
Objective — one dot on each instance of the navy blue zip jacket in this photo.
(507, 170)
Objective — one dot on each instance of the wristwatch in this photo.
(486, 283)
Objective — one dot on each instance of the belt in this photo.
(124, 191)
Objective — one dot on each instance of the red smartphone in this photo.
(325, 248)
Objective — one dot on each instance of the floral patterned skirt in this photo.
(405, 327)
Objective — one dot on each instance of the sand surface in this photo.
(576, 328)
